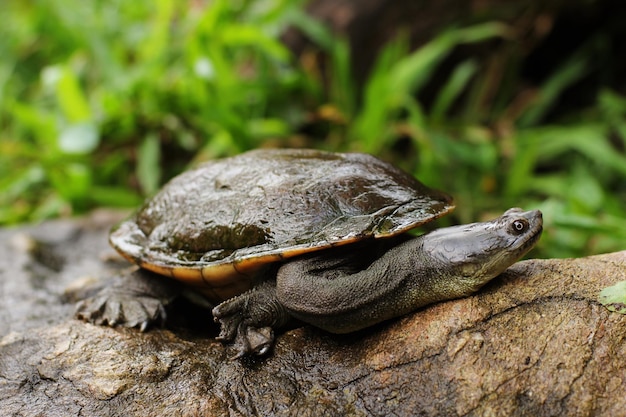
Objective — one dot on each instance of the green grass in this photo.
(101, 102)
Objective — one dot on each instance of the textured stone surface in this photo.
(534, 342)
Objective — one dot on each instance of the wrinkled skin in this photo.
(348, 288)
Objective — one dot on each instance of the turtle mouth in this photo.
(532, 240)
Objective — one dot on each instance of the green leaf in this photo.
(574, 69)
(154, 46)
(586, 190)
(34, 120)
(79, 138)
(591, 140)
(313, 29)
(72, 181)
(454, 87)
(614, 107)
(19, 182)
(343, 90)
(148, 167)
(267, 128)
(115, 197)
(246, 35)
(397, 76)
(614, 297)
(71, 97)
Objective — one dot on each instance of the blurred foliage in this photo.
(102, 101)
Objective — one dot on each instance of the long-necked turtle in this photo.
(280, 234)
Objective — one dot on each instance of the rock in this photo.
(533, 342)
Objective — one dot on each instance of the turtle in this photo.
(273, 237)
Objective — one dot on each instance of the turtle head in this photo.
(468, 256)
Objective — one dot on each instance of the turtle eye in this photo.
(519, 226)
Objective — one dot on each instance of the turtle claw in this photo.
(143, 326)
(228, 326)
(253, 341)
(260, 340)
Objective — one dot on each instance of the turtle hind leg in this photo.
(248, 320)
(136, 298)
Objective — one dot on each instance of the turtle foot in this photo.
(250, 341)
(248, 320)
(119, 309)
(135, 298)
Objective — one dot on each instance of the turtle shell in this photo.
(215, 225)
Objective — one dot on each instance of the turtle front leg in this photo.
(248, 320)
(135, 298)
